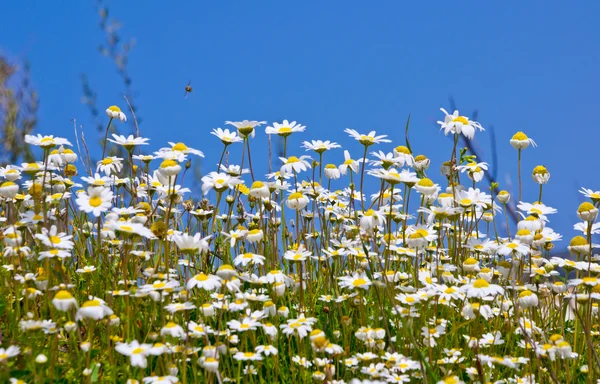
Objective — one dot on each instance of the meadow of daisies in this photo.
(361, 272)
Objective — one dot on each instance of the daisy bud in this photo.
(540, 174)
(503, 197)
(85, 346)
(587, 212)
(41, 359)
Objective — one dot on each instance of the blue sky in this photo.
(530, 66)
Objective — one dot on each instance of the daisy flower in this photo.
(128, 142)
(47, 141)
(204, 281)
(97, 200)
(284, 129)
(368, 139)
(457, 124)
(219, 182)
(110, 165)
(226, 136)
(11, 351)
(191, 244)
(481, 288)
(95, 309)
(521, 141)
(178, 151)
(137, 352)
(114, 112)
(247, 258)
(54, 239)
(355, 281)
(246, 127)
(349, 163)
(319, 146)
(590, 194)
(294, 164)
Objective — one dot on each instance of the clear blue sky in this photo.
(530, 66)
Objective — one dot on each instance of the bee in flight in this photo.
(188, 89)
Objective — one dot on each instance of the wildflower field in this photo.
(361, 272)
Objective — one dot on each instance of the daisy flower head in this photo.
(332, 172)
(219, 182)
(110, 165)
(12, 172)
(128, 142)
(319, 146)
(540, 174)
(226, 136)
(204, 281)
(114, 112)
(368, 139)
(355, 281)
(96, 201)
(178, 151)
(593, 195)
(95, 309)
(349, 163)
(294, 164)
(46, 141)
(297, 201)
(136, 352)
(246, 127)
(456, 124)
(284, 129)
(521, 141)
(481, 288)
(54, 239)
(404, 156)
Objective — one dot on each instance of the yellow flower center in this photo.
(63, 295)
(470, 261)
(95, 201)
(91, 303)
(425, 182)
(358, 282)
(292, 159)
(480, 283)
(180, 147)
(168, 163)
(295, 196)
(520, 136)
(578, 241)
(54, 239)
(285, 130)
(585, 207)
(201, 277)
(525, 293)
(461, 119)
(107, 161)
